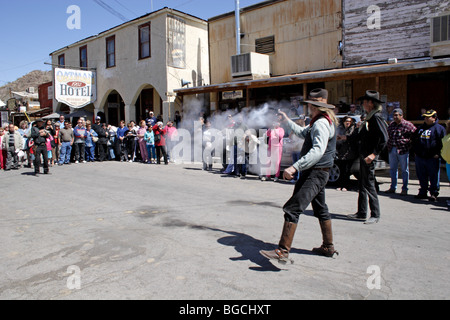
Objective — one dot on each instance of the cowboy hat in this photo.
(318, 93)
(372, 96)
(320, 104)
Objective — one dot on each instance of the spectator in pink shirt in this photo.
(172, 134)
(275, 136)
(141, 141)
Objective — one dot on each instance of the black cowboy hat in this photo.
(372, 96)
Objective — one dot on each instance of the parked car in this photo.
(336, 172)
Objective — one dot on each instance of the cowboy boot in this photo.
(327, 248)
(284, 247)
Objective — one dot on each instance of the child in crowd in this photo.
(150, 142)
(49, 149)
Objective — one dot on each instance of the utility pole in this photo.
(238, 28)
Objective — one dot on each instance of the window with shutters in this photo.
(440, 29)
(265, 45)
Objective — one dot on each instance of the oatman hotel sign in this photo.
(75, 88)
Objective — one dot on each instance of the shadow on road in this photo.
(247, 246)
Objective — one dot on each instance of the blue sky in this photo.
(32, 29)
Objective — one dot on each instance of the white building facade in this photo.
(139, 64)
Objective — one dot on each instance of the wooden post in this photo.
(247, 99)
(305, 97)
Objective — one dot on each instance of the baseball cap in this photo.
(430, 113)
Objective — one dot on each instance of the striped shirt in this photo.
(11, 140)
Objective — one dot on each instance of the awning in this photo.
(2, 104)
(381, 70)
(26, 95)
(35, 114)
(52, 116)
(80, 114)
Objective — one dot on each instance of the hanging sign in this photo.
(233, 95)
(75, 88)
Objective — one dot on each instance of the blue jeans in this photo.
(66, 151)
(395, 160)
(428, 171)
(90, 153)
(151, 149)
(448, 171)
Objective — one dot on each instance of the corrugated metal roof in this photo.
(26, 95)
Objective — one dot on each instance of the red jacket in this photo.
(162, 132)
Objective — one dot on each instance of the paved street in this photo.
(134, 231)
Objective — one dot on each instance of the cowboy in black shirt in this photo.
(40, 135)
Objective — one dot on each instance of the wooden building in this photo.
(399, 48)
(402, 32)
(297, 35)
(45, 92)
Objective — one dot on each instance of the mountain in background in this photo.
(33, 79)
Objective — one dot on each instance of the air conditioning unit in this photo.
(250, 65)
(440, 36)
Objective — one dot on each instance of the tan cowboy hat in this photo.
(318, 93)
(320, 104)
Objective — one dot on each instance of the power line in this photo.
(183, 4)
(25, 65)
(111, 10)
(120, 4)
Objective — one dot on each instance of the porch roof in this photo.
(351, 73)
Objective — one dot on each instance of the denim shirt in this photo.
(89, 142)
